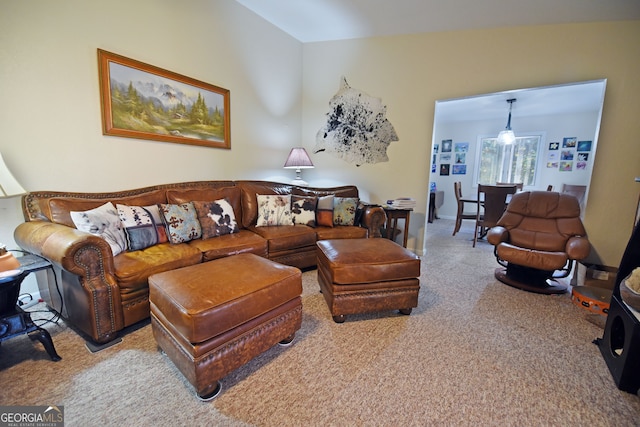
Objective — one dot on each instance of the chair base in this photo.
(529, 279)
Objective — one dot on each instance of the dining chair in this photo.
(519, 185)
(462, 204)
(576, 190)
(493, 199)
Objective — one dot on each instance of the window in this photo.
(508, 163)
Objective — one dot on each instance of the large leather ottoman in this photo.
(214, 317)
(367, 275)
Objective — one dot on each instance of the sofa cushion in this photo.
(143, 226)
(132, 269)
(344, 210)
(324, 211)
(181, 222)
(273, 210)
(216, 218)
(303, 210)
(231, 244)
(103, 222)
(286, 237)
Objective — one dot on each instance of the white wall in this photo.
(553, 128)
(50, 110)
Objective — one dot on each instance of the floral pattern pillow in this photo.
(103, 222)
(303, 210)
(274, 210)
(344, 210)
(216, 218)
(181, 222)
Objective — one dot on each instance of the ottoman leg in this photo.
(339, 319)
(207, 395)
(405, 311)
(288, 340)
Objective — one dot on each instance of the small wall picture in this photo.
(461, 158)
(445, 158)
(552, 165)
(582, 157)
(566, 166)
(566, 155)
(584, 145)
(569, 142)
(459, 170)
(461, 147)
(581, 166)
(436, 147)
(554, 146)
(444, 169)
(446, 145)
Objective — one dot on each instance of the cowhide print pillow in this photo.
(216, 218)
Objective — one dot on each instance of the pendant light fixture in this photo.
(507, 136)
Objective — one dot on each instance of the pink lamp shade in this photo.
(298, 159)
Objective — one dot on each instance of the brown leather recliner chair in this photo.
(538, 239)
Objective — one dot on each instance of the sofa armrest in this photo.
(373, 219)
(92, 301)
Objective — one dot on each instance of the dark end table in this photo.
(14, 321)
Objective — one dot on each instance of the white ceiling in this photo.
(324, 20)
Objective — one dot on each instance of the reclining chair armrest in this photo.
(497, 235)
(578, 247)
(373, 219)
(96, 306)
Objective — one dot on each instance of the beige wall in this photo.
(410, 73)
(50, 109)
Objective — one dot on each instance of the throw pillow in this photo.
(324, 211)
(103, 222)
(143, 226)
(181, 222)
(216, 218)
(274, 210)
(303, 210)
(344, 210)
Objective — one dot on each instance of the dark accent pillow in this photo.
(216, 218)
(303, 210)
(143, 226)
(324, 211)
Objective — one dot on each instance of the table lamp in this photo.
(9, 187)
(298, 159)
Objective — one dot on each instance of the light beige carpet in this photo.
(474, 352)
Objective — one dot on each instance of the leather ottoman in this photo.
(214, 317)
(367, 275)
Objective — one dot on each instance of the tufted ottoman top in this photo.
(208, 299)
(353, 261)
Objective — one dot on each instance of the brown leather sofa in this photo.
(100, 294)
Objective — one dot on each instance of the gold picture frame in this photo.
(143, 101)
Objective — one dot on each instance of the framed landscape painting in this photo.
(142, 101)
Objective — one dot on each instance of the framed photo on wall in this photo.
(143, 101)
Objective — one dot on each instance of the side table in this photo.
(14, 321)
(393, 215)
